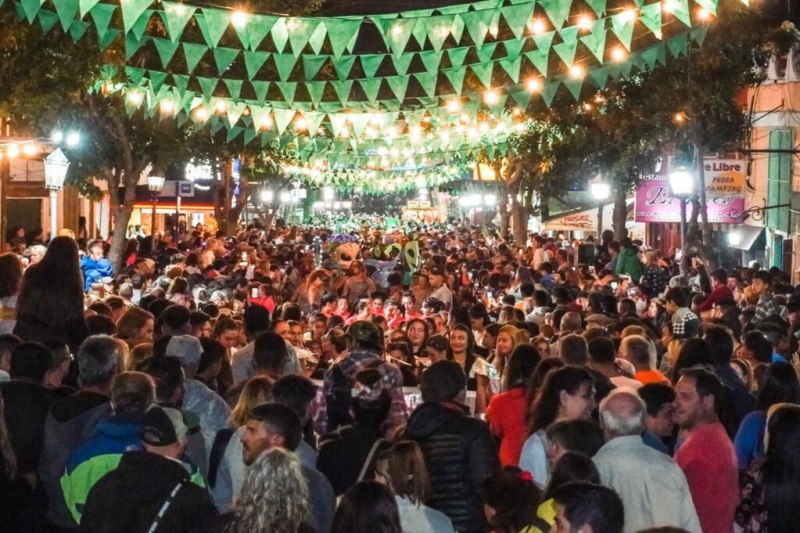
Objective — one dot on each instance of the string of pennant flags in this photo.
(378, 91)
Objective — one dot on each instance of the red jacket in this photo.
(717, 295)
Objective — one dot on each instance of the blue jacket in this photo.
(94, 271)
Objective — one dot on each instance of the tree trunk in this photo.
(505, 216)
(519, 221)
(234, 212)
(620, 215)
(121, 209)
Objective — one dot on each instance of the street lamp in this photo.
(55, 172)
(154, 184)
(600, 191)
(681, 184)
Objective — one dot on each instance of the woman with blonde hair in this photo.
(136, 326)
(226, 470)
(274, 497)
(138, 354)
(402, 469)
(507, 340)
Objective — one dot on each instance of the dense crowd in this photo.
(423, 380)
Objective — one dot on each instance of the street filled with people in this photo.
(423, 378)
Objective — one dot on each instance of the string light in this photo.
(135, 98)
(57, 137)
(576, 72)
(167, 107)
(537, 26)
(222, 107)
(668, 6)
(301, 124)
(13, 151)
(375, 119)
(239, 19)
(703, 14)
(585, 23)
(265, 122)
(397, 30)
(679, 117)
(491, 97)
(533, 85)
(200, 114)
(29, 149)
(629, 15)
(618, 53)
(453, 106)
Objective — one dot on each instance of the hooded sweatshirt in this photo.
(460, 453)
(127, 499)
(71, 422)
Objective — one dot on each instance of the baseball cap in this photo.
(164, 425)
(186, 348)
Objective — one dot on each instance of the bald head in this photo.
(622, 413)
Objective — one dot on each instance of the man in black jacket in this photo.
(150, 490)
(459, 450)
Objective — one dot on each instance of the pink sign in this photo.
(654, 203)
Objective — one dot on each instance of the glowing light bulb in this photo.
(239, 19)
(585, 23)
(679, 117)
(375, 119)
(629, 15)
(533, 85)
(453, 106)
(668, 6)
(167, 107)
(537, 26)
(13, 151)
(201, 114)
(57, 137)
(371, 133)
(135, 98)
(301, 124)
(491, 97)
(221, 107)
(618, 54)
(29, 149)
(397, 30)
(265, 122)
(703, 14)
(577, 72)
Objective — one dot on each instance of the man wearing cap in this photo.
(367, 347)
(459, 450)
(440, 290)
(151, 490)
(198, 398)
(273, 425)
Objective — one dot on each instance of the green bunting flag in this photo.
(343, 65)
(157, 80)
(457, 56)
(213, 24)
(166, 49)
(207, 86)
(370, 64)
(47, 20)
(486, 52)
(342, 89)
(101, 15)
(371, 88)
(427, 81)
(66, 10)
(651, 17)
(568, 46)
(549, 91)
(484, 73)
(557, 11)
(340, 32)
(260, 88)
(84, 6)
(402, 63)
(223, 57)
(314, 120)
(135, 74)
(282, 119)
(600, 76)
(708, 5)
(312, 65)
(438, 29)
(477, 24)
(176, 16)
(315, 90)
(31, 9)
(284, 63)
(677, 44)
(181, 83)
(300, 30)
(317, 39)
(132, 10)
(595, 40)
(622, 26)
(539, 59)
(253, 61)
(287, 89)
(517, 17)
(574, 86)
(599, 6)
(258, 27)
(396, 33)
(431, 59)
(680, 10)
(280, 34)
(512, 66)
(132, 45)
(398, 84)
(193, 54)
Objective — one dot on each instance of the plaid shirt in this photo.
(767, 306)
(357, 360)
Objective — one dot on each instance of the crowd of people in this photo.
(288, 381)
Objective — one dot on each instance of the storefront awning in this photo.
(744, 237)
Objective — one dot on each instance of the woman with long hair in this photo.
(402, 468)
(511, 500)
(506, 411)
(10, 285)
(274, 497)
(226, 332)
(417, 332)
(136, 327)
(226, 471)
(780, 386)
(50, 303)
(770, 488)
(567, 394)
(367, 507)
(507, 340)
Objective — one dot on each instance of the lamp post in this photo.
(600, 191)
(154, 184)
(55, 172)
(681, 184)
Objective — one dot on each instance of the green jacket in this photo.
(628, 263)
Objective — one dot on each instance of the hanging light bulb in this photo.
(301, 124)
(491, 97)
(629, 15)
(618, 53)
(135, 98)
(576, 72)
(200, 114)
(239, 19)
(703, 14)
(453, 106)
(167, 107)
(221, 107)
(668, 6)
(375, 119)
(29, 149)
(537, 26)
(13, 151)
(265, 122)
(533, 85)
(585, 22)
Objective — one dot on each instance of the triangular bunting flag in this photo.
(135, 74)
(234, 88)
(84, 6)
(207, 86)
(595, 41)
(708, 5)
(544, 41)
(477, 24)
(651, 17)
(677, 44)
(315, 90)
(484, 73)
(456, 77)
(650, 56)
(261, 118)
(253, 61)
(258, 26)
(249, 136)
(517, 17)
(396, 33)
(699, 34)
(31, 8)
(438, 29)
(109, 37)
(574, 86)
(166, 49)
(370, 64)
(66, 9)
(223, 57)
(599, 6)
(511, 66)
(47, 19)
(513, 47)
(193, 54)
(140, 27)
(176, 16)
(132, 45)
(181, 82)
(428, 82)
(338, 123)
(371, 88)
(486, 52)
(431, 59)
(287, 89)
(157, 79)
(233, 133)
(340, 32)
(260, 88)
(680, 10)
(280, 34)
(401, 63)
(419, 32)
(132, 10)
(457, 56)
(285, 64)
(300, 30)
(216, 22)
(234, 112)
(556, 10)
(342, 65)
(398, 84)
(101, 15)
(523, 99)
(313, 119)
(600, 76)
(312, 64)
(317, 38)
(622, 26)
(456, 28)
(566, 49)
(342, 89)
(548, 92)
